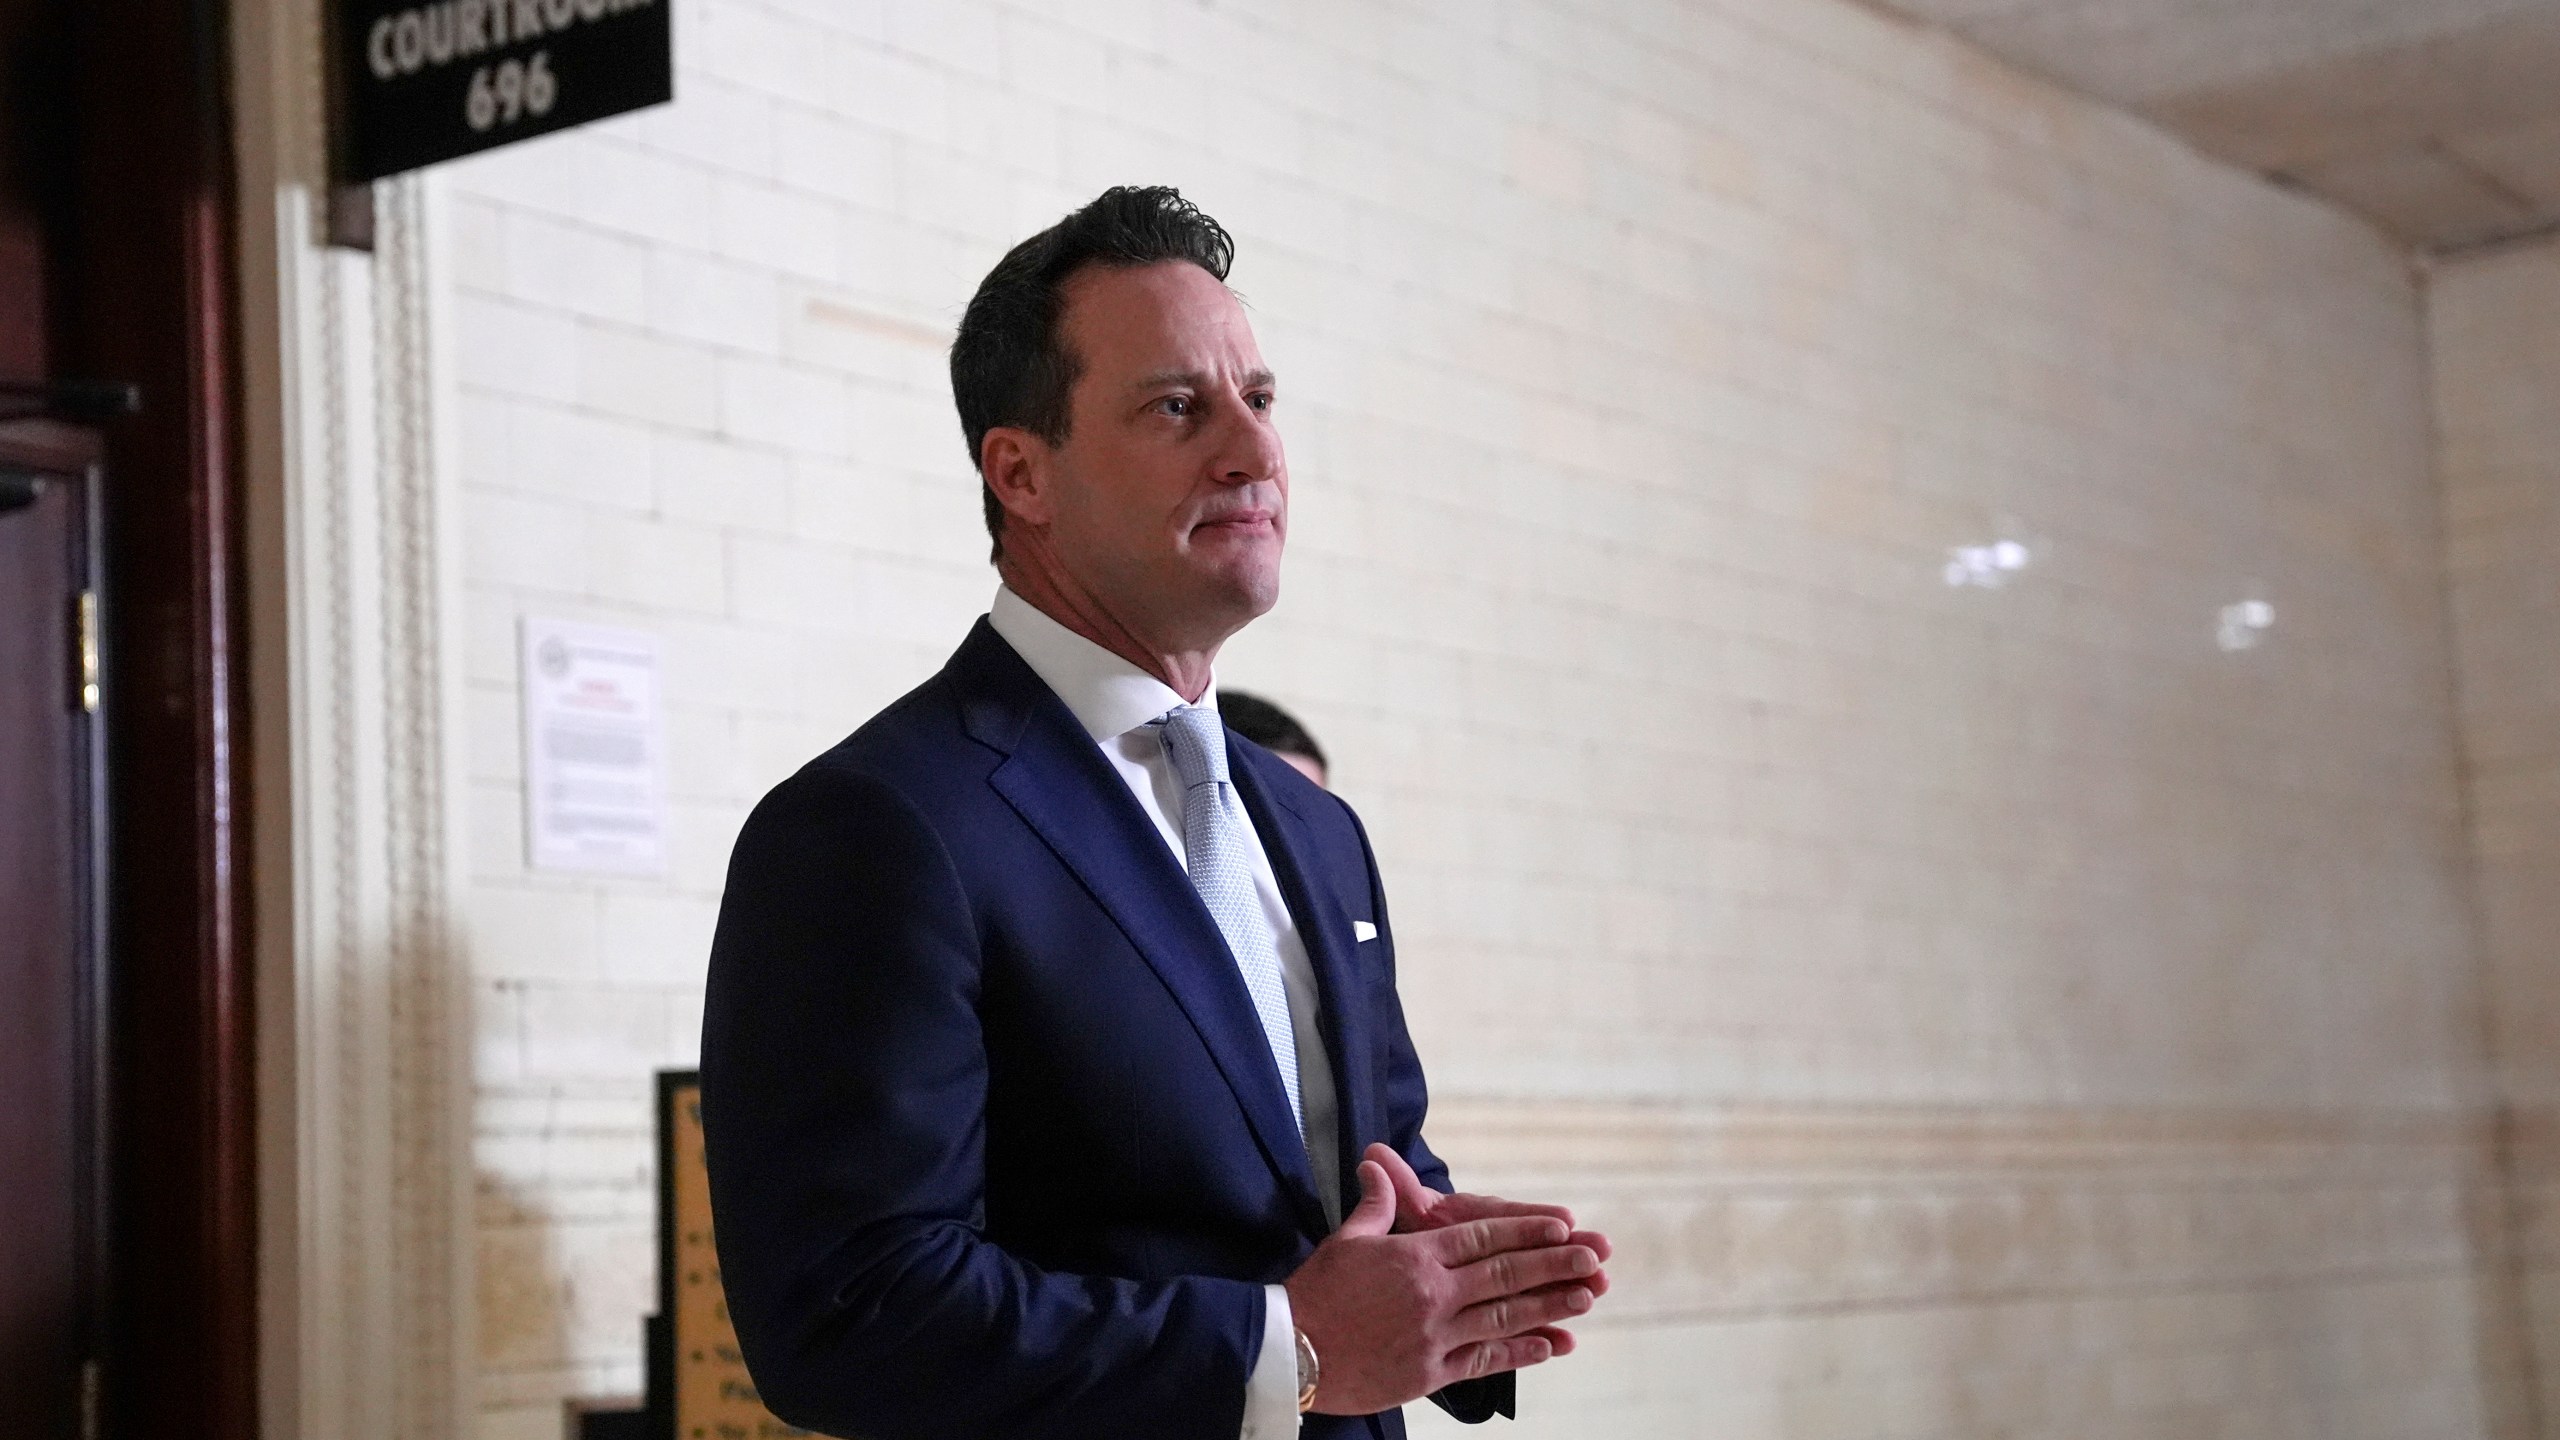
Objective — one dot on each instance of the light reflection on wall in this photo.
(2243, 625)
(1986, 567)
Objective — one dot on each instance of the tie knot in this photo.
(1195, 740)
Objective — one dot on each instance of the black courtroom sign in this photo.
(426, 82)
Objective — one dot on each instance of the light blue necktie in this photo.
(1218, 850)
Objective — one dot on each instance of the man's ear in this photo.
(1017, 466)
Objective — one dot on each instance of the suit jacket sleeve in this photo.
(1406, 1098)
(844, 1081)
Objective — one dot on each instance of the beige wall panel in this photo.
(2495, 329)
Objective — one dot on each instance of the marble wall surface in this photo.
(1886, 621)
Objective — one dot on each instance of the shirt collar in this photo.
(1108, 696)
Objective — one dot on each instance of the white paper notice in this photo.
(594, 767)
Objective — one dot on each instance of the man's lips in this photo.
(1241, 520)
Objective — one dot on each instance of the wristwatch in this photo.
(1307, 1370)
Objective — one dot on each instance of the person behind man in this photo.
(1053, 1078)
(1275, 730)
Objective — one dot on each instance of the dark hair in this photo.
(1268, 726)
(1008, 364)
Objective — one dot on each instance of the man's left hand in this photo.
(1419, 1207)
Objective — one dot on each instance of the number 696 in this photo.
(510, 90)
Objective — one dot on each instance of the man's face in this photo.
(1171, 495)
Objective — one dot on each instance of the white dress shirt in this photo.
(1116, 703)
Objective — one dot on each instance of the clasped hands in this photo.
(1420, 1289)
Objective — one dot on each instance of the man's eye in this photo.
(1178, 406)
(1261, 402)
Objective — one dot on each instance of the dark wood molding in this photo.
(151, 297)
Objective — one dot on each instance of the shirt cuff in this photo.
(1271, 1391)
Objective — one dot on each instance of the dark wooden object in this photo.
(139, 279)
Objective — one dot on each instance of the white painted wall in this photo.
(1643, 365)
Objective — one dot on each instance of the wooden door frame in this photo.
(148, 281)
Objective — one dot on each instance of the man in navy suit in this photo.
(1053, 1077)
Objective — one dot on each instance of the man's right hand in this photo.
(1395, 1317)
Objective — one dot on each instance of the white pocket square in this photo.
(1363, 930)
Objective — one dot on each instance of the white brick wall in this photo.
(1642, 364)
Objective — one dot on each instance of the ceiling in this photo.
(2439, 120)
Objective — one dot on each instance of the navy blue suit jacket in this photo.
(997, 1148)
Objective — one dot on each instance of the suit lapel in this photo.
(1056, 779)
(1324, 927)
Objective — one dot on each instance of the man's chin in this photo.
(1257, 587)
(1237, 594)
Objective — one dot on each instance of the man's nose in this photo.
(1251, 449)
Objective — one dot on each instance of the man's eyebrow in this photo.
(1253, 380)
